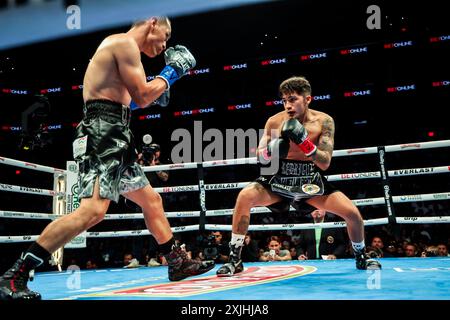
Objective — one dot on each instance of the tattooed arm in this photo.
(322, 158)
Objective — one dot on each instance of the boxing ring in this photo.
(400, 278)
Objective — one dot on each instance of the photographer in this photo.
(150, 156)
(214, 248)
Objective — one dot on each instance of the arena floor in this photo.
(400, 279)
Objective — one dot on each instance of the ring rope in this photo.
(22, 189)
(29, 165)
(104, 234)
(225, 212)
(240, 185)
(264, 227)
(336, 153)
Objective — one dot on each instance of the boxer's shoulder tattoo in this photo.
(326, 141)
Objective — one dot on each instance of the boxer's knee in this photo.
(91, 214)
(155, 198)
(354, 216)
(153, 202)
(249, 195)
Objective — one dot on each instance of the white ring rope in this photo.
(119, 216)
(264, 227)
(27, 215)
(240, 185)
(228, 212)
(22, 189)
(105, 234)
(29, 165)
(336, 153)
(293, 226)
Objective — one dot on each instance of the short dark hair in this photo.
(159, 19)
(296, 84)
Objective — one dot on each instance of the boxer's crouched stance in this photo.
(300, 140)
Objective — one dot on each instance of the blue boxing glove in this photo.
(178, 63)
(163, 99)
(133, 105)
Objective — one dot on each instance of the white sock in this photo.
(237, 239)
(358, 246)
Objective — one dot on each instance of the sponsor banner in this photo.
(435, 219)
(444, 83)
(357, 93)
(422, 197)
(314, 56)
(51, 90)
(6, 187)
(440, 39)
(273, 103)
(235, 67)
(14, 91)
(11, 128)
(368, 201)
(222, 186)
(22, 189)
(193, 112)
(410, 146)
(322, 97)
(415, 171)
(273, 61)
(410, 198)
(150, 116)
(400, 44)
(250, 277)
(73, 202)
(177, 189)
(239, 106)
(350, 151)
(220, 212)
(26, 215)
(183, 214)
(360, 175)
(353, 51)
(409, 87)
(195, 72)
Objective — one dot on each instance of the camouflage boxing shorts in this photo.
(104, 148)
(294, 182)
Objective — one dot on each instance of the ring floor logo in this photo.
(250, 277)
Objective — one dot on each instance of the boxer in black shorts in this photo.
(296, 147)
(105, 152)
(104, 148)
(294, 182)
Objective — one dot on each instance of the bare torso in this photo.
(102, 79)
(313, 124)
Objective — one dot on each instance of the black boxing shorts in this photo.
(104, 148)
(295, 181)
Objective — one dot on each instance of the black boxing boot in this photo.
(13, 284)
(181, 267)
(234, 264)
(364, 262)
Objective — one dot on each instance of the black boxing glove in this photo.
(276, 147)
(293, 130)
